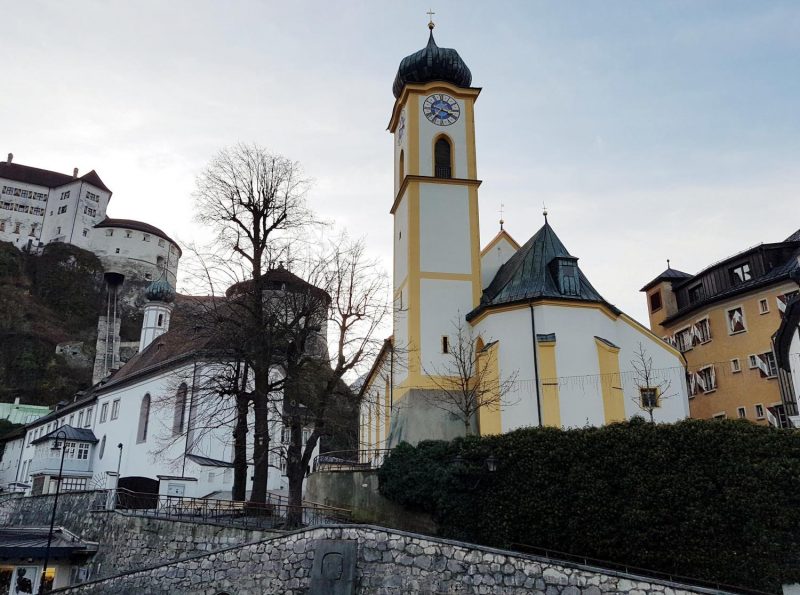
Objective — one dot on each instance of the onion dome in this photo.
(432, 63)
(160, 291)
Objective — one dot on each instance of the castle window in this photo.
(655, 301)
(128, 234)
(160, 261)
(161, 243)
(443, 165)
(180, 409)
(144, 419)
(145, 237)
(109, 232)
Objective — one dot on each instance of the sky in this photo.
(650, 129)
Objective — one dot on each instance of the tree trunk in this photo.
(260, 449)
(295, 472)
(239, 490)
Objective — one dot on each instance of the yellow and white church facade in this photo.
(566, 353)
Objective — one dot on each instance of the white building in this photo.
(154, 421)
(535, 316)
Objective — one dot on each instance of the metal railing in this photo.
(350, 460)
(557, 556)
(276, 513)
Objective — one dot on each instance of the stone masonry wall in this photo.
(388, 563)
(126, 542)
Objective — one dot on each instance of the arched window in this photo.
(443, 165)
(180, 408)
(144, 418)
(401, 168)
(160, 320)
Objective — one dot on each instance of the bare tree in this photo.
(254, 201)
(317, 396)
(466, 381)
(651, 387)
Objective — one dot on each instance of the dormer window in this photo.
(695, 293)
(564, 270)
(740, 274)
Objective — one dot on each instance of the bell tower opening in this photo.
(442, 158)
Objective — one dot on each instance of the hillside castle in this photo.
(39, 207)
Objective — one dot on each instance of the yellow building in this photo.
(723, 320)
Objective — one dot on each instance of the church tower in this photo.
(157, 311)
(435, 208)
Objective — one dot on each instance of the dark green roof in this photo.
(69, 433)
(528, 275)
(668, 275)
(432, 63)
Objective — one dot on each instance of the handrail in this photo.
(350, 460)
(275, 514)
(672, 577)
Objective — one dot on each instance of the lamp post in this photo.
(62, 433)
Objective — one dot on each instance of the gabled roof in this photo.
(70, 433)
(502, 234)
(526, 275)
(668, 275)
(44, 177)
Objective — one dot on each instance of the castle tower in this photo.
(436, 233)
(157, 311)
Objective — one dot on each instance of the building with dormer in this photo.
(535, 316)
(723, 320)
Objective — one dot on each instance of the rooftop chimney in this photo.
(75, 173)
(10, 157)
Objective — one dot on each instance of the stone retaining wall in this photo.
(126, 542)
(387, 563)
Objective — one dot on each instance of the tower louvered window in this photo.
(442, 158)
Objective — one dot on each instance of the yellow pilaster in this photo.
(551, 408)
(610, 382)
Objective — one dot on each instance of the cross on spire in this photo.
(501, 216)
(430, 14)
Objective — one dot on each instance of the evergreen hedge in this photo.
(712, 500)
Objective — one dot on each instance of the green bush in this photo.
(712, 500)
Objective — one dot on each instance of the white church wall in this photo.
(515, 354)
(401, 241)
(441, 301)
(400, 337)
(428, 132)
(400, 148)
(444, 228)
(494, 258)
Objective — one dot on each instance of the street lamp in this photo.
(62, 433)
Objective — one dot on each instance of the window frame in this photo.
(741, 412)
(655, 294)
(115, 409)
(103, 412)
(732, 332)
(736, 366)
(763, 306)
(654, 390)
(763, 414)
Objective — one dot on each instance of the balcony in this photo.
(49, 465)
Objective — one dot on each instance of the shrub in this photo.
(713, 500)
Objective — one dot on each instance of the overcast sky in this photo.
(652, 130)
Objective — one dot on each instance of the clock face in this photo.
(441, 109)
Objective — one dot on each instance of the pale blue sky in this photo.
(651, 129)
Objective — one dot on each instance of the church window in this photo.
(445, 344)
(115, 409)
(144, 419)
(103, 412)
(655, 301)
(180, 409)
(401, 168)
(160, 320)
(442, 158)
(649, 397)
